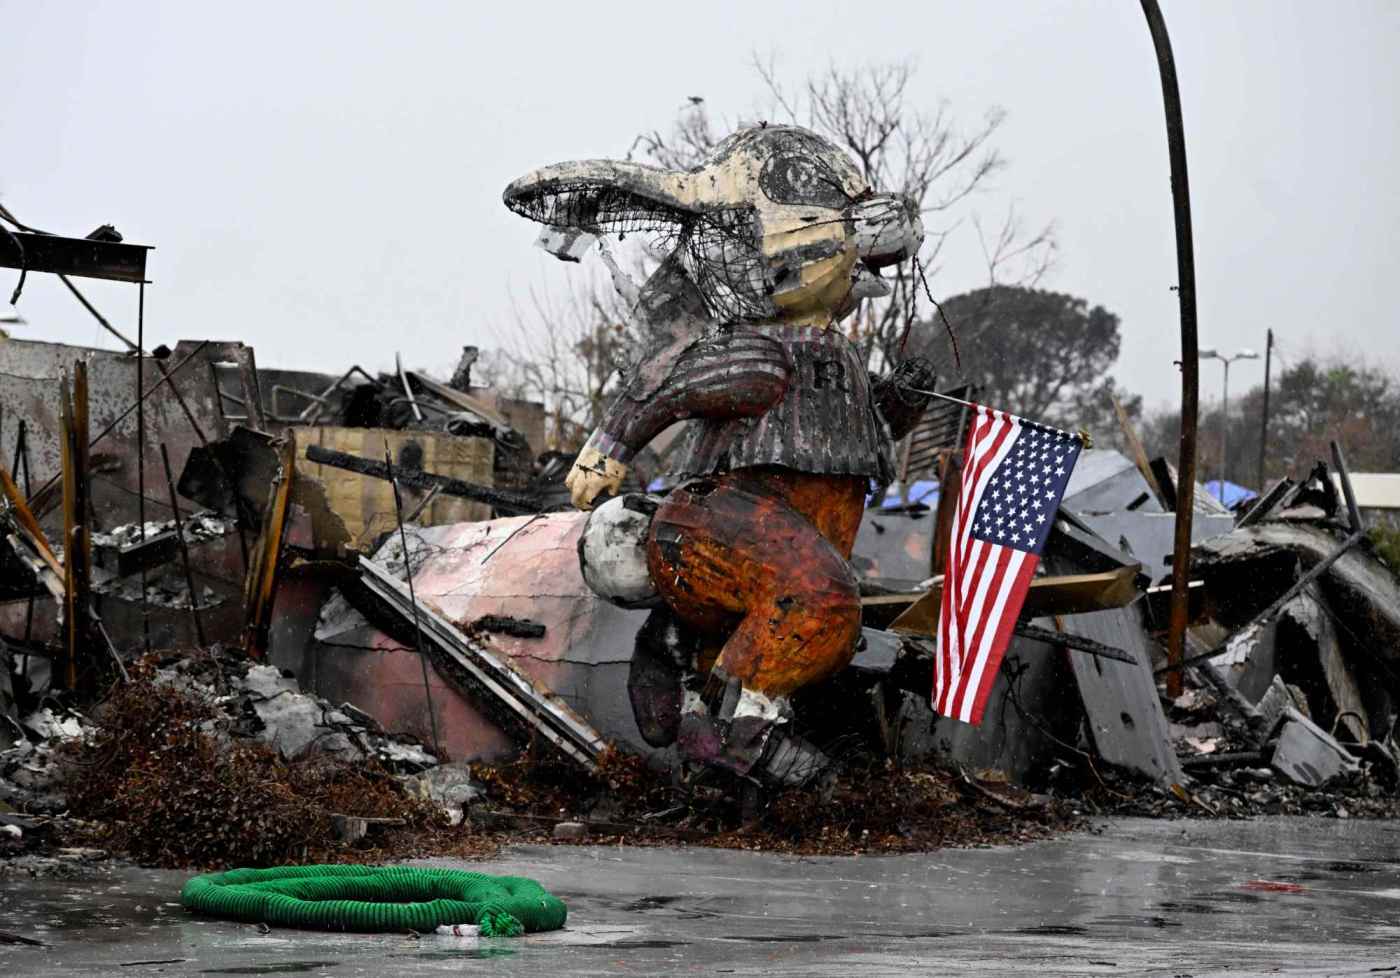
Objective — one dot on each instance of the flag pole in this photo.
(943, 397)
(1084, 436)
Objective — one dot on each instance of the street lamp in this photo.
(1225, 409)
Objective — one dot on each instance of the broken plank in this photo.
(260, 587)
(1079, 643)
(1059, 595)
(27, 524)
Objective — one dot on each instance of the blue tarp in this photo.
(923, 491)
(1234, 494)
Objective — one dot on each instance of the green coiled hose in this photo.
(373, 899)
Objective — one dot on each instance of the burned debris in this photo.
(385, 596)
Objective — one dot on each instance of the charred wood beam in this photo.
(79, 257)
(260, 586)
(508, 625)
(1077, 642)
(514, 503)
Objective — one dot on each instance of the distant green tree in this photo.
(1043, 355)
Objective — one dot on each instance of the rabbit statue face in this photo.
(777, 224)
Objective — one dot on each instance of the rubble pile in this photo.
(206, 760)
(866, 806)
(343, 700)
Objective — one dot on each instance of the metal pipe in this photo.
(184, 548)
(1225, 432)
(1186, 297)
(412, 597)
(141, 452)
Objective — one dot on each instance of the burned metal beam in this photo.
(514, 503)
(1186, 303)
(1316, 571)
(154, 551)
(1344, 477)
(79, 257)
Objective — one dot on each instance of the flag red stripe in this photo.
(1002, 638)
(971, 588)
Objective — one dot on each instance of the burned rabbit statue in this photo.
(769, 243)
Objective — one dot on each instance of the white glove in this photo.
(593, 475)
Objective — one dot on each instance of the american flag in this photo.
(1014, 475)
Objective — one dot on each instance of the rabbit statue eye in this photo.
(787, 179)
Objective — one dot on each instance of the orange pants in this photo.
(761, 555)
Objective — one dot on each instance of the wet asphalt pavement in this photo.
(1268, 896)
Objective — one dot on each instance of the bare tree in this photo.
(564, 352)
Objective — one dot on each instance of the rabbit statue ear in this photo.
(604, 196)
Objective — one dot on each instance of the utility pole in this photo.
(1190, 369)
(1264, 425)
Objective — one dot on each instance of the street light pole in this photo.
(1225, 412)
(1225, 433)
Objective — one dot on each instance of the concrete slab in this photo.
(1268, 896)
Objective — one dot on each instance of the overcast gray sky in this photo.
(323, 180)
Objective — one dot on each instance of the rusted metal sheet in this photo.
(79, 257)
(522, 567)
(762, 567)
(493, 675)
